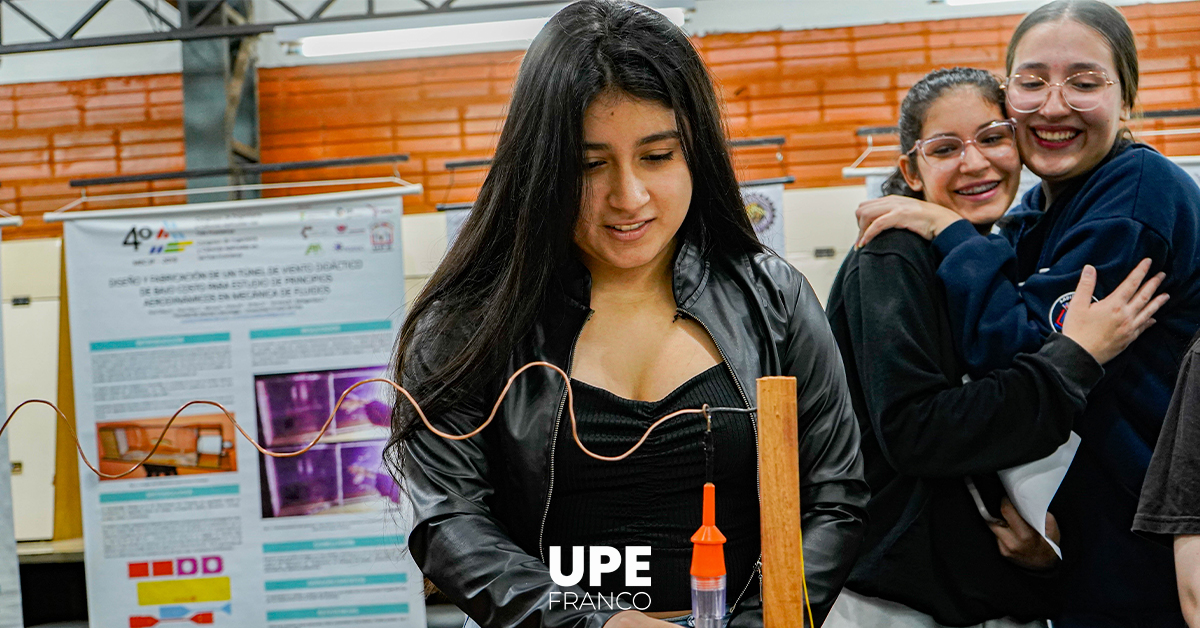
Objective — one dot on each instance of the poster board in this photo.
(272, 308)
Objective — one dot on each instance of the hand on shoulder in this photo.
(901, 212)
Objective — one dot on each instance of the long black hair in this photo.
(916, 106)
(512, 249)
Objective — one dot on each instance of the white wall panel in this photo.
(31, 269)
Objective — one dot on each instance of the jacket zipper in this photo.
(554, 441)
(754, 425)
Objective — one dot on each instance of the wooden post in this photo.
(68, 514)
(779, 504)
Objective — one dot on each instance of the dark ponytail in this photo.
(916, 106)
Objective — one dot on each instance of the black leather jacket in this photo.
(481, 504)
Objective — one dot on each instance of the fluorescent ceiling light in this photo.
(424, 37)
(961, 3)
(516, 31)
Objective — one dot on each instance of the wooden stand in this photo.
(779, 478)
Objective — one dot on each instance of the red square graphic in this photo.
(164, 568)
(139, 570)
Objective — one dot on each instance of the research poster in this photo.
(10, 575)
(764, 205)
(274, 309)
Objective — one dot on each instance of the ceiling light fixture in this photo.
(963, 3)
(497, 30)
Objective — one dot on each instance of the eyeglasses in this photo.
(1082, 92)
(944, 151)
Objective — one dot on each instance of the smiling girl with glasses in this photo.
(945, 548)
(1111, 203)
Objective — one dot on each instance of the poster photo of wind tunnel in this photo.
(343, 473)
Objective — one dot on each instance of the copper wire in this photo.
(400, 389)
(705, 411)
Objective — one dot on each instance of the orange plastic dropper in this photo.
(708, 566)
(708, 544)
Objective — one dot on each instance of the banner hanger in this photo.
(403, 188)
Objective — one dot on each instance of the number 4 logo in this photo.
(136, 236)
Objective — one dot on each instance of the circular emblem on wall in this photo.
(762, 211)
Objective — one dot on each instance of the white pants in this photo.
(852, 610)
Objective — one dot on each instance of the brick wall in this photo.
(814, 87)
(53, 132)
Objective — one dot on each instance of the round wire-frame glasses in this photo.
(992, 140)
(1026, 93)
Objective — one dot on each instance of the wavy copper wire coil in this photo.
(704, 411)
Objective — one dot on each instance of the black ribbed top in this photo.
(654, 497)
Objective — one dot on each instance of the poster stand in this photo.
(271, 307)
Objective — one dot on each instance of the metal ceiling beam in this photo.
(152, 11)
(29, 18)
(87, 17)
(196, 29)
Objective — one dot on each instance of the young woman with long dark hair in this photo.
(945, 546)
(1072, 80)
(610, 239)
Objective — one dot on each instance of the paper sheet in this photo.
(1032, 486)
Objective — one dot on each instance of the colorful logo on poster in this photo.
(761, 210)
(167, 239)
(382, 236)
(188, 566)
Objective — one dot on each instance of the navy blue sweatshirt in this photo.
(1006, 293)
(924, 431)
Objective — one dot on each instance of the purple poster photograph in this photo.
(344, 473)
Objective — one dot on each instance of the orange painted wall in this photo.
(815, 87)
(53, 132)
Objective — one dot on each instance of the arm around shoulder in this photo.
(927, 422)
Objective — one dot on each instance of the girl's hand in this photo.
(1020, 543)
(901, 212)
(1105, 328)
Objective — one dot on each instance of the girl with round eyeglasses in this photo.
(1103, 201)
(945, 547)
